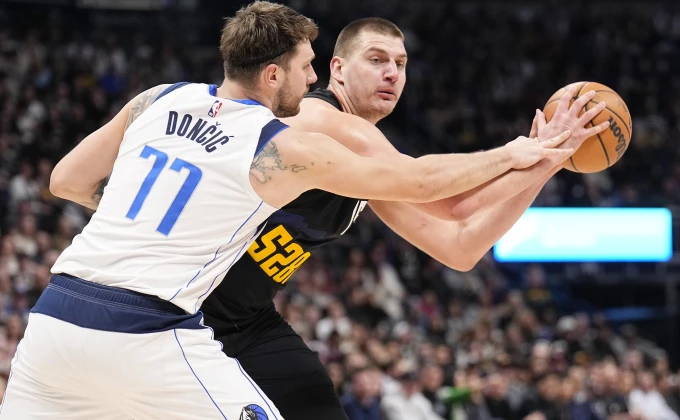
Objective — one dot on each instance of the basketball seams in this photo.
(560, 97)
(623, 122)
(581, 89)
(554, 100)
(571, 159)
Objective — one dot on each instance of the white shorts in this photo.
(63, 370)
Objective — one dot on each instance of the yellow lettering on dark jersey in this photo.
(279, 256)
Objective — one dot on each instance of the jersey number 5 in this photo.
(182, 197)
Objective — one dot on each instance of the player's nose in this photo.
(311, 78)
(392, 72)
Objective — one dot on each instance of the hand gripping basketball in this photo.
(608, 135)
(567, 117)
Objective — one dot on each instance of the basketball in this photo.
(601, 151)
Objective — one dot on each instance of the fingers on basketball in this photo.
(605, 144)
(592, 131)
(591, 113)
(564, 98)
(581, 102)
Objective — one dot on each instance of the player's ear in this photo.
(336, 69)
(273, 75)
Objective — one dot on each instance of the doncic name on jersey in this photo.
(210, 137)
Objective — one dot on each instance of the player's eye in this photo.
(401, 65)
(375, 60)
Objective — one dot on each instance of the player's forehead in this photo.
(369, 41)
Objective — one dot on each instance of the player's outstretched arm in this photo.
(461, 244)
(295, 162)
(366, 139)
(457, 244)
(515, 182)
(81, 175)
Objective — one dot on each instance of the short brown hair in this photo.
(260, 34)
(351, 32)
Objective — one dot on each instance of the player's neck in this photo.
(340, 93)
(347, 105)
(233, 90)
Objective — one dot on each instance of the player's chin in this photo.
(385, 106)
(286, 111)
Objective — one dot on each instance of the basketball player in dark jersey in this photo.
(367, 77)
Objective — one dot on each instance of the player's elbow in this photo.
(61, 183)
(462, 263)
(468, 252)
(58, 184)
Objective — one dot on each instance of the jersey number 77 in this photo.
(184, 194)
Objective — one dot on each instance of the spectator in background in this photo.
(547, 400)
(335, 321)
(668, 387)
(495, 394)
(431, 381)
(363, 401)
(606, 400)
(647, 401)
(23, 187)
(407, 402)
(384, 285)
(337, 374)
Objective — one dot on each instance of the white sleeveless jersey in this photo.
(179, 209)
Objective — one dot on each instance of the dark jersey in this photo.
(313, 219)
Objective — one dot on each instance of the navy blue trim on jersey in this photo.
(296, 224)
(246, 101)
(212, 89)
(104, 308)
(271, 129)
(170, 89)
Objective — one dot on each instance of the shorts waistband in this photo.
(99, 307)
(104, 293)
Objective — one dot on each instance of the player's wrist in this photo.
(554, 161)
(507, 156)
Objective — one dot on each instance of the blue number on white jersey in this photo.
(182, 197)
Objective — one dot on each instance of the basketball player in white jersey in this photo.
(117, 333)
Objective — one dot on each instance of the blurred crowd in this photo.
(403, 337)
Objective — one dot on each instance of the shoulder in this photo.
(351, 131)
(153, 92)
(141, 102)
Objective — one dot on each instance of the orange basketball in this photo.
(605, 149)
